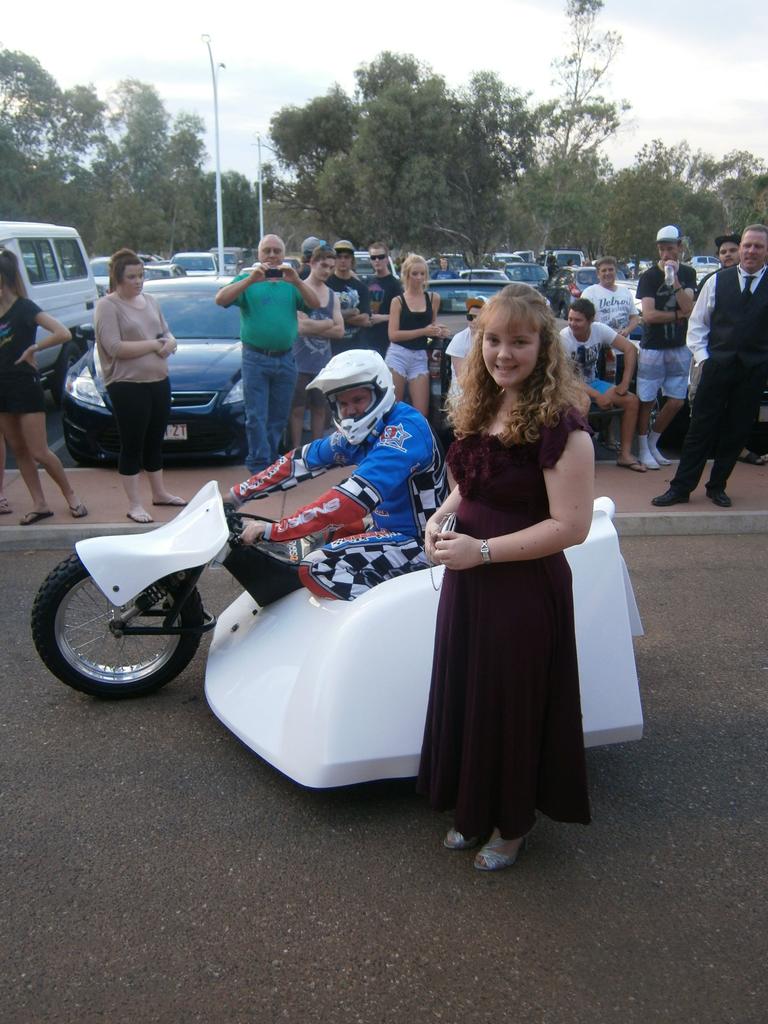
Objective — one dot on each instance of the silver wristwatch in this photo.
(485, 552)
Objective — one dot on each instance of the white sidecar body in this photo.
(333, 693)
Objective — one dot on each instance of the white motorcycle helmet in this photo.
(357, 368)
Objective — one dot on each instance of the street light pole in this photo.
(219, 218)
(261, 197)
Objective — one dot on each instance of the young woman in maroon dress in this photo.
(503, 735)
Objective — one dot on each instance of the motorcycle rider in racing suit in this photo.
(399, 481)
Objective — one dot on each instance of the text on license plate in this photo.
(176, 432)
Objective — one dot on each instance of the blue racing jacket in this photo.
(399, 479)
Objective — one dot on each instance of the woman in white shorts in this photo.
(412, 322)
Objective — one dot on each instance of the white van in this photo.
(58, 277)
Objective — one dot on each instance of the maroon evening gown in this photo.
(503, 735)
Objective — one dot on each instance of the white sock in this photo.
(644, 452)
(653, 440)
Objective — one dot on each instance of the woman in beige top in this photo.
(134, 343)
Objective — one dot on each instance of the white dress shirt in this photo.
(697, 339)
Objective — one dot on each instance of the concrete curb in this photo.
(689, 524)
(628, 524)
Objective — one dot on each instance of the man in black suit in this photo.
(728, 333)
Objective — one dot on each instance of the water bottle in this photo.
(669, 275)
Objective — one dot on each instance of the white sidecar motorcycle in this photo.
(329, 692)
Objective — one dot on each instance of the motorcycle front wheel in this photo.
(72, 631)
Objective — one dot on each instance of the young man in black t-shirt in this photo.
(381, 289)
(353, 296)
(664, 359)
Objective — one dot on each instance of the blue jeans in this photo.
(268, 383)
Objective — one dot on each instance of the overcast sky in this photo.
(688, 73)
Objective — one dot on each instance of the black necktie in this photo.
(746, 295)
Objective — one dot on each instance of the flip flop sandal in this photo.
(176, 503)
(78, 511)
(636, 467)
(753, 459)
(140, 517)
(34, 517)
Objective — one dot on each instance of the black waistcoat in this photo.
(738, 331)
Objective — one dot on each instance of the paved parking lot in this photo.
(156, 870)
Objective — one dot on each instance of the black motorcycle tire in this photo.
(70, 625)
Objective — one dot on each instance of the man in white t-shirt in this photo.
(614, 304)
(583, 339)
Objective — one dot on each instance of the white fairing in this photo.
(333, 693)
(123, 566)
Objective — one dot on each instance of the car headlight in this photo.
(82, 388)
(235, 395)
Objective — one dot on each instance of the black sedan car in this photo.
(207, 413)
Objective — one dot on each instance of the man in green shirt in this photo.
(269, 296)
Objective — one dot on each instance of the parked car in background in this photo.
(162, 271)
(58, 277)
(564, 257)
(235, 258)
(100, 271)
(196, 264)
(454, 294)
(482, 274)
(507, 257)
(528, 273)
(207, 414)
(705, 263)
(526, 255)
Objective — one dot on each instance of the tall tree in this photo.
(45, 134)
(581, 118)
(573, 128)
(492, 142)
(305, 139)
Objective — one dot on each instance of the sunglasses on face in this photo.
(378, 255)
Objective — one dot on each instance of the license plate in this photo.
(763, 414)
(176, 432)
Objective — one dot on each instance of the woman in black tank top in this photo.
(412, 317)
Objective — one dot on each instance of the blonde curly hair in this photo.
(552, 388)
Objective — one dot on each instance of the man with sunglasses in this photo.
(382, 288)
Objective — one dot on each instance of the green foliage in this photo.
(405, 158)
(673, 185)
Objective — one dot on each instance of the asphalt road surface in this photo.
(154, 870)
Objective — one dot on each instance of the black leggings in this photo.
(141, 411)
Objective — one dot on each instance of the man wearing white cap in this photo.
(666, 291)
(729, 340)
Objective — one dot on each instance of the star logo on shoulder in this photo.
(395, 436)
